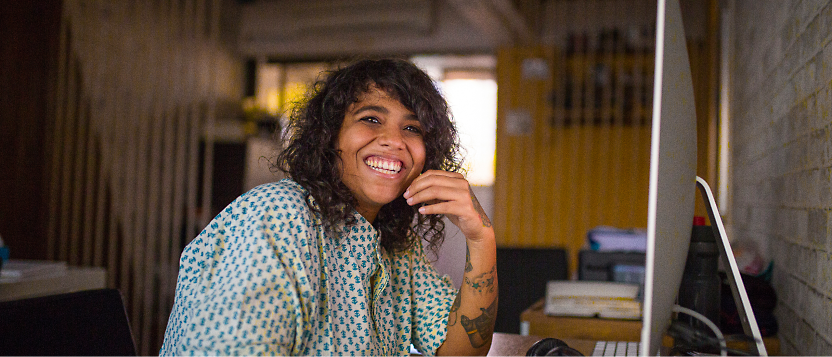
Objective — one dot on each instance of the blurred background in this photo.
(127, 125)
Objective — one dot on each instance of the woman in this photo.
(331, 260)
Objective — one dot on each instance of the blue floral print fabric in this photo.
(266, 278)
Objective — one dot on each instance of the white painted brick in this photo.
(825, 186)
(813, 182)
(782, 223)
(828, 247)
(804, 269)
(804, 335)
(819, 281)
(814, 302)
(802, 300)
(826, 62)
(814, 104)
(822, 113)
(782, 103)
(801, 224)
(815, 141)
(824, 347)
(782, 145)
(786, 319)
(763, 247)
(826, 310)
(788, 264)
(815, 257)
(819, 81)
(801, 87)
(817, 227)
(760, 218)
(811, 268)
(826, 145)
(792, 195)
(795, 214)
(779, 251)
(796, 300)
(788, 348)
(826, 277)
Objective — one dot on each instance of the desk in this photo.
(597, 329)
(511, 345)
(74, 279)
(507, 344)
(584, 328)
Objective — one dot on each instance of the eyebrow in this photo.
(365, 108)
(382, 110)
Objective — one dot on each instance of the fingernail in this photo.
(410, 201)
(422, 210)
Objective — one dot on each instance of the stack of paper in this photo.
(608, 239)
(593, 298)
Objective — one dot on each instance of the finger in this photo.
(447, 208)
(437, 193)
(442, 173)
(439, 174)
(436, 178)
(459, 215)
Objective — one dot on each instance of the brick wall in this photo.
(781, 156)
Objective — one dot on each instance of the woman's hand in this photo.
(471, 318)
(448, 193)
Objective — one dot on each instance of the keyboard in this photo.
(616, 348)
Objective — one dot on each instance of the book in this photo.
(593, 298)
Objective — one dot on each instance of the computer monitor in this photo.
(672, 188)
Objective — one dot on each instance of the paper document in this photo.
(593, 298)
(605, 238)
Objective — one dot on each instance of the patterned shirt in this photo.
(265, 278)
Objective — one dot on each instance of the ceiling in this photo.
(315, 29)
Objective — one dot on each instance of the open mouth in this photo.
(384, 166)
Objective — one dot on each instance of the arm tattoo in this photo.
(483, 283)
(452, 317)
(481, 328)
(468, 266)
(483, 217)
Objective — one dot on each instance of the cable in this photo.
(723, 346)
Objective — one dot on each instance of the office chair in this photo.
(88, 323)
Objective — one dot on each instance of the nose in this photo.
(391, 137)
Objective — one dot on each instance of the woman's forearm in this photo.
(472, 316)
(471, 319)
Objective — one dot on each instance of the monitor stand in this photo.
(749, 322)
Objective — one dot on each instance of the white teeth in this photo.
(384, 166)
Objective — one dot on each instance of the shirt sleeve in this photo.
(237, 291)
(432, 298)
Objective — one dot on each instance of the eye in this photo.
(414, 129)
(370, 119)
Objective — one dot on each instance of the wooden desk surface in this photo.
(582, 328)
(507, 344)
(597, 329)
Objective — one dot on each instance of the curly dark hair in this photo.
(312, 160)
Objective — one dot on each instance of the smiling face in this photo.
(381, 150)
